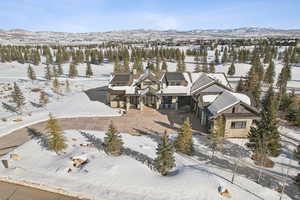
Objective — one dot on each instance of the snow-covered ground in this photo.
(65, 104)
(285, 162)
(106, 177)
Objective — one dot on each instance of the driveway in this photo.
(10, 191)
(134, 122)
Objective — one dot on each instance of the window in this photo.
(236, 125)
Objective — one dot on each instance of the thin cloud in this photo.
(158, 21)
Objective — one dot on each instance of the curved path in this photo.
(135, 122)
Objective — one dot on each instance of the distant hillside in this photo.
(19, 36)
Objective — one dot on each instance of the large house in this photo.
(208, 94)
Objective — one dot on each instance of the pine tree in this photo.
(117, 66)
(56, 139)
(67, 84)
(241, 86)
(217, 134)
(270, 73)
(264, 138)
(283, 78)
(17, 96)
(48, 73)
(253, 84)
(293, 110)
(231, 70)
(297, 156)
(31, 73)
(72, 70)
(165, 160)
(60, 70)
(184, 140)
(198, 68)
(164, 66)
(89, 71)
(113, 141)
(55, 72)
(43, 98)
(212, 68)
(126, 64)
(55, 85)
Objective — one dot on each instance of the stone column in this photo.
(158, 102)
(127, 103)
(174, 102)
(141, 104)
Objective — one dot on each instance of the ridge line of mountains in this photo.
(20, 36)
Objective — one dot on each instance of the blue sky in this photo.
(106, 15)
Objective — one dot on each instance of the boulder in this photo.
(15, 157)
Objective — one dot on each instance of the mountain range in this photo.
(20, 36)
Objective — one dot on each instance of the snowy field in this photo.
(105, 177)
(65, 104)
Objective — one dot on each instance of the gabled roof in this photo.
(147, 75)
(124, 78)
(215, 88)
(228, 99)
(174, 76)
(201, 82)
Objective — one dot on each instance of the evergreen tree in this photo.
(17, 96)
(67, 84)
(205, 68)
(117, 66)
(212, 68)
(48, 73)
(55, 85)
(270, 73)
(231, 70)
(72, 70)
(198, 68)
(297, 156)
(217, 134)
(43, 98)
(293, 111)
(113, 141)
(253, 84)
(264, 138)
(60, 70)
(56, 139)
(164, 66)
(89, 71)
(165, 160)
(241, 86)
(31, 73)
(283, 78)
(55, 72)
(184, 140)
(126, 64)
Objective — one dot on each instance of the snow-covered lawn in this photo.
(65, 104)
(285, 162)
(111, 178)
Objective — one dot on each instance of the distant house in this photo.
(209, 95)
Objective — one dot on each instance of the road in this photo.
(10, 191)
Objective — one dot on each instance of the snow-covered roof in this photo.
(226, 100)
(201, 82)
(220, 77)
(209, 98)
(178, 89)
